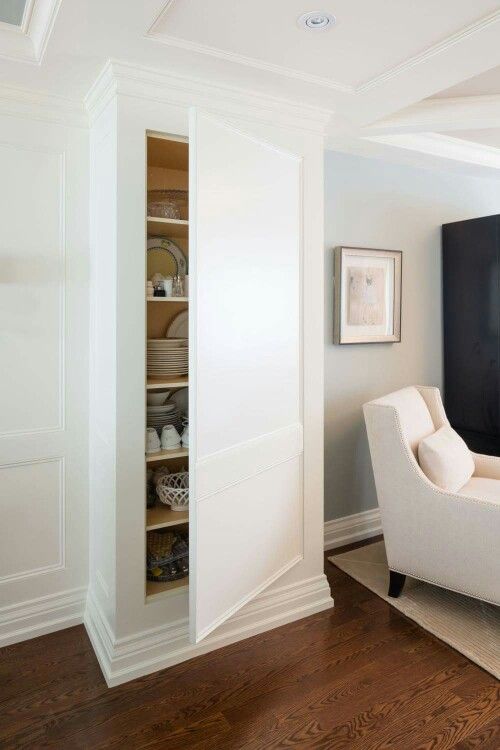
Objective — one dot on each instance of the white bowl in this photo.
(157, 398)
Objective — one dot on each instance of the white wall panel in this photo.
(44, 374)
(31, 288)
(32, 532)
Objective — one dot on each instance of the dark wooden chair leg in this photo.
(396, 583)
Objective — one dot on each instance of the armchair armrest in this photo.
(487, 467)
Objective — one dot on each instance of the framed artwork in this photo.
(367, 296)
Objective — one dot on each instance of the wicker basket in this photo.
(173, 490)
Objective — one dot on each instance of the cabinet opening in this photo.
(167, 366)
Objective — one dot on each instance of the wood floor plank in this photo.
(486, 737)
(471, 717)
(358, 676)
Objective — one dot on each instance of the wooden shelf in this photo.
(167, 227)
(160, 517)
(181, 382)
(156, 590)
(162, 455)
(167, 299)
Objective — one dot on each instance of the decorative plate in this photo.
(165, 257)
(179, 325)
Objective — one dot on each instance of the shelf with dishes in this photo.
(163, 455)
(167, 227)
(167, 560)
(154, 382)
(167, 433)
(167, 269)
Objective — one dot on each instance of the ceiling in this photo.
(369, 39)
(386, 64)
(485, 84)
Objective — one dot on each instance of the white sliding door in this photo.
(246, 508)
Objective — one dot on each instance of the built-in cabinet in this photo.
(167, 365)
(251, 234)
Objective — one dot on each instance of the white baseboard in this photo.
(352, 528)
(149, 651)
(18, 622)
(125, 659)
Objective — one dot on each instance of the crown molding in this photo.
(444, 146)
(42, 106)
(153, 33)
(458, 113)
(27, 42)
(435, 49)
(251, 62)
(118, 77)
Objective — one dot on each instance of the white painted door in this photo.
(246, 502)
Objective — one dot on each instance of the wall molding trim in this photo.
(46, 614)
(148, 651)
(444, 146)
(119, 77)
(43, 106)
(354, 528)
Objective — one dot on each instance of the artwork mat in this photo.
(367, 258)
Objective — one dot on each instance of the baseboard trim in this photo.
(46, 614)
(352, 528)
(152, 650)
(126, 659)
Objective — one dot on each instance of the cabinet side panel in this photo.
(103, 360)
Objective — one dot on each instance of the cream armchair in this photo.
(448, 539)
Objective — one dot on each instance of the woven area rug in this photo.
(468, 625)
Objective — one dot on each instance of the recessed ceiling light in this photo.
(316, 20)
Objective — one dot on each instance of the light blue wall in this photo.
(372, 203)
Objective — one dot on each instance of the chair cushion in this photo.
(445, 459)
(487, 489)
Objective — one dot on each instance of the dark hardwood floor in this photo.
(358, 676)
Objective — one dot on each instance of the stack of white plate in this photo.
(167, 357)
(159, 416)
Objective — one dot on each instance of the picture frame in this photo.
(367, 295)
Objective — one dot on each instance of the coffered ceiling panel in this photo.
(369, 39)
(485, 84)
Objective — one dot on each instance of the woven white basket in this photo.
(173, 490)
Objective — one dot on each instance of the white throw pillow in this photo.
(445, 459)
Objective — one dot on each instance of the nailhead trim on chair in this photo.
(440, 493)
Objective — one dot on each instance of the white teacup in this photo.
(152, 440)
(170, 438)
